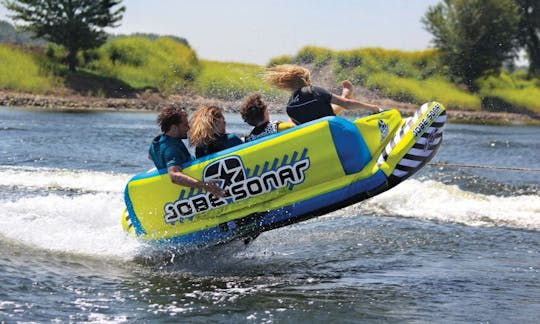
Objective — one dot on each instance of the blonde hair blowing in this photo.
(287, 76)
(202, 126)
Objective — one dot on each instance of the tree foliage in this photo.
(74, 24)
(474, 36)
(529, 33)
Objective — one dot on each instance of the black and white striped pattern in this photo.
(422, 151)
(393, 142)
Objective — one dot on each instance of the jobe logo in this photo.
(430, 116)
(232, 176)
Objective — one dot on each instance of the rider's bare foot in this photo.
(347, 91)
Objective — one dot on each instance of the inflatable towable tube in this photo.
(304, 172)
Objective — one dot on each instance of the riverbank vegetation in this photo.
(468, 71)
(22, 69)
(231, 80)
(162, 64)
(125, 66)
(421, 76)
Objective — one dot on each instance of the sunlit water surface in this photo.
(449, 245)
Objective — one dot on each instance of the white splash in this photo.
(437, 201)
(89, 222)
(31, 177)
(86, 223)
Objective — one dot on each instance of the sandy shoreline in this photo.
(190, 103)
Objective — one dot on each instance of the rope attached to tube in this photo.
(477, 166)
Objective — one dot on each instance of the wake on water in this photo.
(78, 212)
(65, 210)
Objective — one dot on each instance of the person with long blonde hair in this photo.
(208, 131)
(307, 101)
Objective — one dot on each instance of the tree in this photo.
(474, 36)
(529, 33)
(74, 24)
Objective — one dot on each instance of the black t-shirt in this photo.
(222, 142)
(309, 103)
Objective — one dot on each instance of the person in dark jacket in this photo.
(309, 102)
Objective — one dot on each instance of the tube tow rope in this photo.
(477, 166)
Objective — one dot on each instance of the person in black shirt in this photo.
(309, 102)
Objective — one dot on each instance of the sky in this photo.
(255, 31)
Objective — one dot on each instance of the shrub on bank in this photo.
(511, 92)
(317, 56)
(414, 77)
(518, 100)
(20, 70)
(417, 64)
(163, 64)
(420, 91)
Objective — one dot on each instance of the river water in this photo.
(448, 245)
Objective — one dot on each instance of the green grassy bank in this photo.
(166, 66)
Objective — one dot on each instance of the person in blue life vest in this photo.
(254, 111)
(309, 102)
(208, 131)
(168, 150)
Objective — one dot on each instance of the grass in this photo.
(316, 55)
(163, 64)
(21, 71)
(513, 90)
(168, 66)
(419, 76)
(420, 91)
(231, 80)
(519, 99)
(416, 64)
